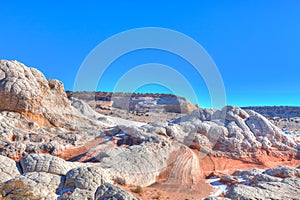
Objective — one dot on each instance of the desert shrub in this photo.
(138, 190)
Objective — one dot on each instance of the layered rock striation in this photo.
(39, 124)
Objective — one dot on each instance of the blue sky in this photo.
(255, 44)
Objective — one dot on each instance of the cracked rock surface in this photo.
(112, 192)
(52, 147)
(46, 163)
(8, 169)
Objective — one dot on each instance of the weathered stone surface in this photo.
(78, 193)
(289, 188)
(108, 191)
(36, 117)
(216, 198)
(284, 172)
(260, 126)
(26, 90)
(34, 185)
(8, 169)
(275, 183)
(9, 123)
(246, 192)
(264, 177)
(14, 150)
(231, 130)
(137, 164)
(248, 173)
(284, 117)
(87, 178)
(45, 163)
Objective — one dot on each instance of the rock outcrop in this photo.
(35, 185)
(48, 177)
(38, 124)
(136, 165)
(275, 183)
(109, 191)
(86, 178)
(230, 130)
(26, 90)
(138, 103)
(46, 163)
(8, 169)
(284, 117)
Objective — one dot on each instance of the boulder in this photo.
(137, 164)
(108, 191)
(248, 173)
(87, 178)
(283, 172)
(265, 177)
(275, 183)
(8, 169)
(240, 191)
(45, 163)
(287, 189)
(34, 185)
(216, 198)
(231, 130)
(78, 193)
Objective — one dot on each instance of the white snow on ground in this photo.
(219, 188)
(291, 132)
(64, 190)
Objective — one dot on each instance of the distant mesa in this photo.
(136, 102)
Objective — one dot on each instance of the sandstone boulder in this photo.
(265, 177)
(240, 191)
(34, 185)
(232, 130)
(87, 178)
(137, 164)
(78, 193)
(216, 198)
(248, 173)
(45, 163)
(108, 191)
(283, 172)
(275, 183)
(8, 169)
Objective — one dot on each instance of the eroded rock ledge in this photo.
(39, 124)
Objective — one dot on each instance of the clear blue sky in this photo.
(255, 44)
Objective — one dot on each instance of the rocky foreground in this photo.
(55, 147)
